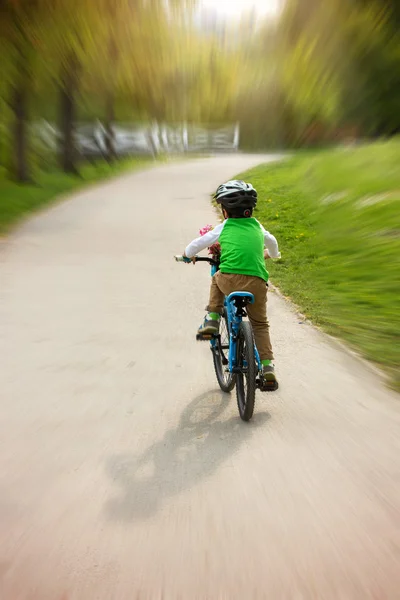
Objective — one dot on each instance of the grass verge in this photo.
(17, 201)
(335, 214)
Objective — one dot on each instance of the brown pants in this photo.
(224, 284)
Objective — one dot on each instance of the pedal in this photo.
(268, 386)
(204, 337)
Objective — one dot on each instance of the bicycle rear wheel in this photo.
(220, 351)
(246, 376)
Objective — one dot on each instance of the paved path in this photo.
(125, 473)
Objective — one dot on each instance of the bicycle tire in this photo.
(226, 380)
(246, 376)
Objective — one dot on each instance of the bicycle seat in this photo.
(241, 299)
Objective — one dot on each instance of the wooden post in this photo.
(185, 138)
(164, 137)
(236, 137)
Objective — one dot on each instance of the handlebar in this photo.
(180, 258)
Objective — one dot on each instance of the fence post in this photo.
(51, 135)
(164, 137)
(100, 133)
(155, 137)
(150, 134)
(185, 138)
(236, 137)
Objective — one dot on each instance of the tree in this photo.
(67, 39)
(342, 63)
(17, 39)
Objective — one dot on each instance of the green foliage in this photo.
(335, 215)
(115, 59)
(327, 66)
(345, 65)
(321, 67)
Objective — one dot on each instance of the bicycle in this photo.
(235, 355)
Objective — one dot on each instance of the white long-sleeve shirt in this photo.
(211, 237)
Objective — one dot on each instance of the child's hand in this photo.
(189, 260)
(266, 254)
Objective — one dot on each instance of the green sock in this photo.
(266, 362)
(214, 316)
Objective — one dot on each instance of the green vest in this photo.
(242, 248)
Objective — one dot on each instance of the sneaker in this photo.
(268, 372)
(209, 327)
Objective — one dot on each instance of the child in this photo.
(242, 268)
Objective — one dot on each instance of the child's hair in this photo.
(239, 213)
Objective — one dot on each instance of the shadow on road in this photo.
(192, 451)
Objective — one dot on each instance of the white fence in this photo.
(90, 138)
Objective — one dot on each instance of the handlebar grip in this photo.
(180, 258)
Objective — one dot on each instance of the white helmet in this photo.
(236, 194)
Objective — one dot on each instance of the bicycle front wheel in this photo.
(246, 374)
(220, 351)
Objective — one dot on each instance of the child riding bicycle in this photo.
(242, 264)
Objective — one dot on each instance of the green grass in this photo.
(335, 214)
(18, 201)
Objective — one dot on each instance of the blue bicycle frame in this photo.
(234, 320)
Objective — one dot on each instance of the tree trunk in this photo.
(20, 167)
(19, 106)
(111, 154)
(68, 89)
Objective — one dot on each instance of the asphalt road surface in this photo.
(125, 473)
